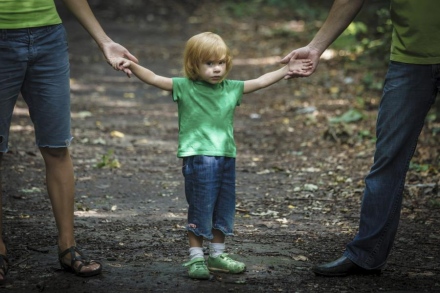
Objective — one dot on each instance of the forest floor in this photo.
(299, 177)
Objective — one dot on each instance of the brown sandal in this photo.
(76, 255)
(4, 267)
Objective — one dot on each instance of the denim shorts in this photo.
(35, 63)
(210, 193)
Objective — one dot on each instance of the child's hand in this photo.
(299, 67)
(120, 64)
(114, 50)
(303, 53)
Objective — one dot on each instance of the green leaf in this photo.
(351, 115)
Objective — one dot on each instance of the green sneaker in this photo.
(223, 263)
(197, 268)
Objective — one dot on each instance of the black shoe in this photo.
(341, 267)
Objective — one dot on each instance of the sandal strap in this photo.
(75, 255)
(78, 258)
(195, 260)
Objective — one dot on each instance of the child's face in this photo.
(212, 71)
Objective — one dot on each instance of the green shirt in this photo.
(206, 116)
(416, 32)
(16, 14)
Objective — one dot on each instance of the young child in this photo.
(206, 103)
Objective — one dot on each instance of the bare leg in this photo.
(60, 187)
(2, 244)
(61, 190)
(219, 237)
(195, 241)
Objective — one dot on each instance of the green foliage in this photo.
(418, 167)
(108, 160)
(348, 40)
(371, 82)
(241, 8)
(435, 203)
(434, 115)
(379, 42)
(369, 36)
(365, 134)
(306, 10)
(351, 115)
(301, 9)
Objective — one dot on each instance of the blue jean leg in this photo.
(210, 193)
(409, 92)
(35, 62)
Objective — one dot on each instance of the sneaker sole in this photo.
(224, 271)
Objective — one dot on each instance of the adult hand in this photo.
(302, 53)
(112, 50)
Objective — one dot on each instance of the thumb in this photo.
(131, 57)
(289, 56)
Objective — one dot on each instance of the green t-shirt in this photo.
(15, 14)
(416, 33)
(206, 116)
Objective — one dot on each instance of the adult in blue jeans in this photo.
(411, 86)
(34, 60)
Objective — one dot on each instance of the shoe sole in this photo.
(224, 271)
(218, 270)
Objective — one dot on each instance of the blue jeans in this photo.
(35, 62)
(408, 94)
(210, 193)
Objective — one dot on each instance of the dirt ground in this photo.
(299, 181)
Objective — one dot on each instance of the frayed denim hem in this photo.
(209, 235)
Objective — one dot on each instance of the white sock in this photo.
(195, 252)
(215, 249)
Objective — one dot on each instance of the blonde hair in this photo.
(201, 48)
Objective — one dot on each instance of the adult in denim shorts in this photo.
(34, 61)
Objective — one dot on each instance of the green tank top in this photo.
(416, 33)
(206, 116)
(15, 14)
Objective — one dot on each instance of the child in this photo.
(206, 102)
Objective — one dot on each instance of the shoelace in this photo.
(199, 265)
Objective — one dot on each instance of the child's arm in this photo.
(144, 74)
(272, 77)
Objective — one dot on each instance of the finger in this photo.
(288, 57)
(127, 72)
(131, 57)
(289, 77)
(292, 74)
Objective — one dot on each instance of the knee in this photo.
(55, 153)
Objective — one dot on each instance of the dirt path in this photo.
(298, 194)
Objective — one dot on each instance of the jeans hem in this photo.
(351, 257)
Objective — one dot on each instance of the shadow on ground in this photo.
(298, 194)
